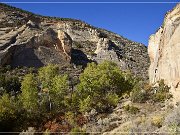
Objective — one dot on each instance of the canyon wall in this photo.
(31, 40)
(164, 53)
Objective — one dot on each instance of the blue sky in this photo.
(133, 21)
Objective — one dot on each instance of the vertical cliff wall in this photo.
(164, 52)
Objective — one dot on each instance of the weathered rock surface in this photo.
(64, 43)
(164, 52)
(29, 40)
(26, 47)
(106, 50)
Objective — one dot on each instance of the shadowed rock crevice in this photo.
(79, 58)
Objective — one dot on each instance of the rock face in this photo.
(105, 51)
(164, 52)
(30, 40)
(64, 43)
(26, 47)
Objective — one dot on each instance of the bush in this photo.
(10, 84)
(112, 99)
(46, 74)
(159, 97)
(70, 117)
(157, 121)
(5, 69)
(131, 109)
(143, 92)
(7, 107)
(77, 131)
(101, 85)
(58, 91)
(2, 84)
(162, 92)
(138, 94)
(8, 113)
(54, 88)
(29, 95)
(85, 104)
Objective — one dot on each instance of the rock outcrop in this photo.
(27, 47)
(29, 40)
(105, 51)
(64, 43)
(164, 52)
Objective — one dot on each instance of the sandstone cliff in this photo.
(29, 40)
(164, 52)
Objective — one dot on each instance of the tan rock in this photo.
(105, 51)
(34, 47)
(64, 43)
(164, 52)
(102, 45)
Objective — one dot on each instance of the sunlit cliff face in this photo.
(164, 52)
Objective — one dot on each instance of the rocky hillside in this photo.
(164, 52)
(30, 40)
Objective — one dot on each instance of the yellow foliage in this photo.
(157, 120)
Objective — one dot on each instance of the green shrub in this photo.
(85, 104)
(139, 95)
(162, 92)
(159, 97)
(8, 113)
(70, 118)
(112, 99)
(7, 107)
(29, 95)
(143, 92)
(57, 92)
(10, 83)
(131, 109)
(77, 131)
(101, 86)
(46, 74)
